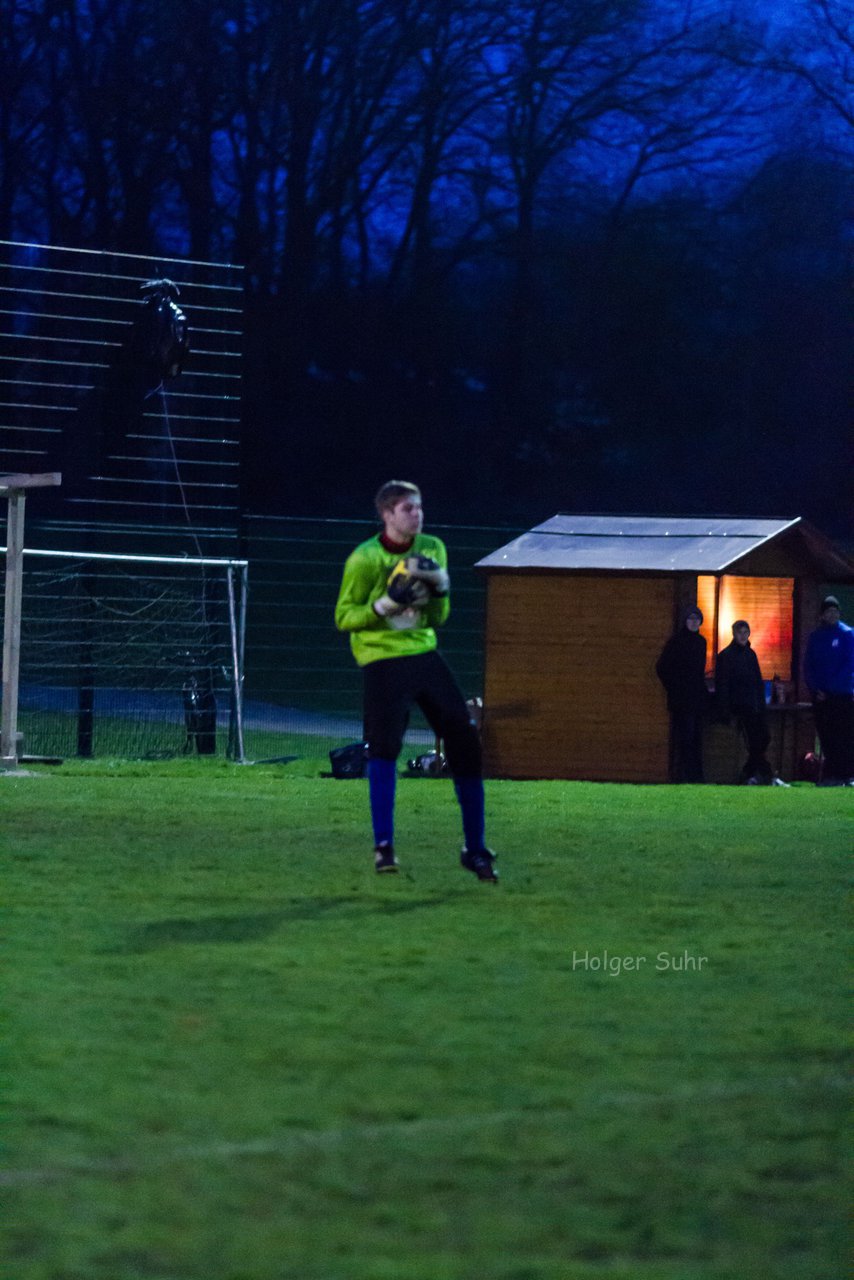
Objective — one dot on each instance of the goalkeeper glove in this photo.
(399, 617)
(426, 570)
(385, 607)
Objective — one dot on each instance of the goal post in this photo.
(132, 655)
(14, 488)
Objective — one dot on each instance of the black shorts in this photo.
(392, 685)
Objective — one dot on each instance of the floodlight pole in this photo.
(14, 487)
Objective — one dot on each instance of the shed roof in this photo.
(656, 544)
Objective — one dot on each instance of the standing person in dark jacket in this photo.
(829, 672)
(681, 668)
(740, 691)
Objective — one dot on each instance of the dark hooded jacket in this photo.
(681, 668)
(738, 681)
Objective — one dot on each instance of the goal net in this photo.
(131, 656)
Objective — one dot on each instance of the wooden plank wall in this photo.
(570, 687)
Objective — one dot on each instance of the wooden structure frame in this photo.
(578, 610)
(15, 487)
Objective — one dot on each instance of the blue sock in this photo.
(470, 795)
(382, 780)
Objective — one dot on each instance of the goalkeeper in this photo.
(394, 593)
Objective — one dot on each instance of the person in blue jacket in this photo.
(829, 672)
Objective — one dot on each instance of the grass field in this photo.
(234, 1053)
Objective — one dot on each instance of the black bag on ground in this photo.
(350, 761)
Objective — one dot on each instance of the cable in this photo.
(167, 423)
(179, 480)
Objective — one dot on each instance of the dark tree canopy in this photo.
(539, 254)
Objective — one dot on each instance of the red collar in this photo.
(396, 548)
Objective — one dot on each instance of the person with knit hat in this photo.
(681, 668)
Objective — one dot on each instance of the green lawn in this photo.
(234, 1053)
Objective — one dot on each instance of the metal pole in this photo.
(241, 640)
(12, 630)
(237, 670)
(86, 672)
(244, 597)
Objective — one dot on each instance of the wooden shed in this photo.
(579, 608)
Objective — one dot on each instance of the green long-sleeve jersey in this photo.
(365, 576)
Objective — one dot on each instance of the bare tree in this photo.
(23, 104)
(642, 86)
(104, 143)
(817, 51)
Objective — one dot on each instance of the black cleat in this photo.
(480, 864)
(384, 859)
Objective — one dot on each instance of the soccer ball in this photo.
(402, 587)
